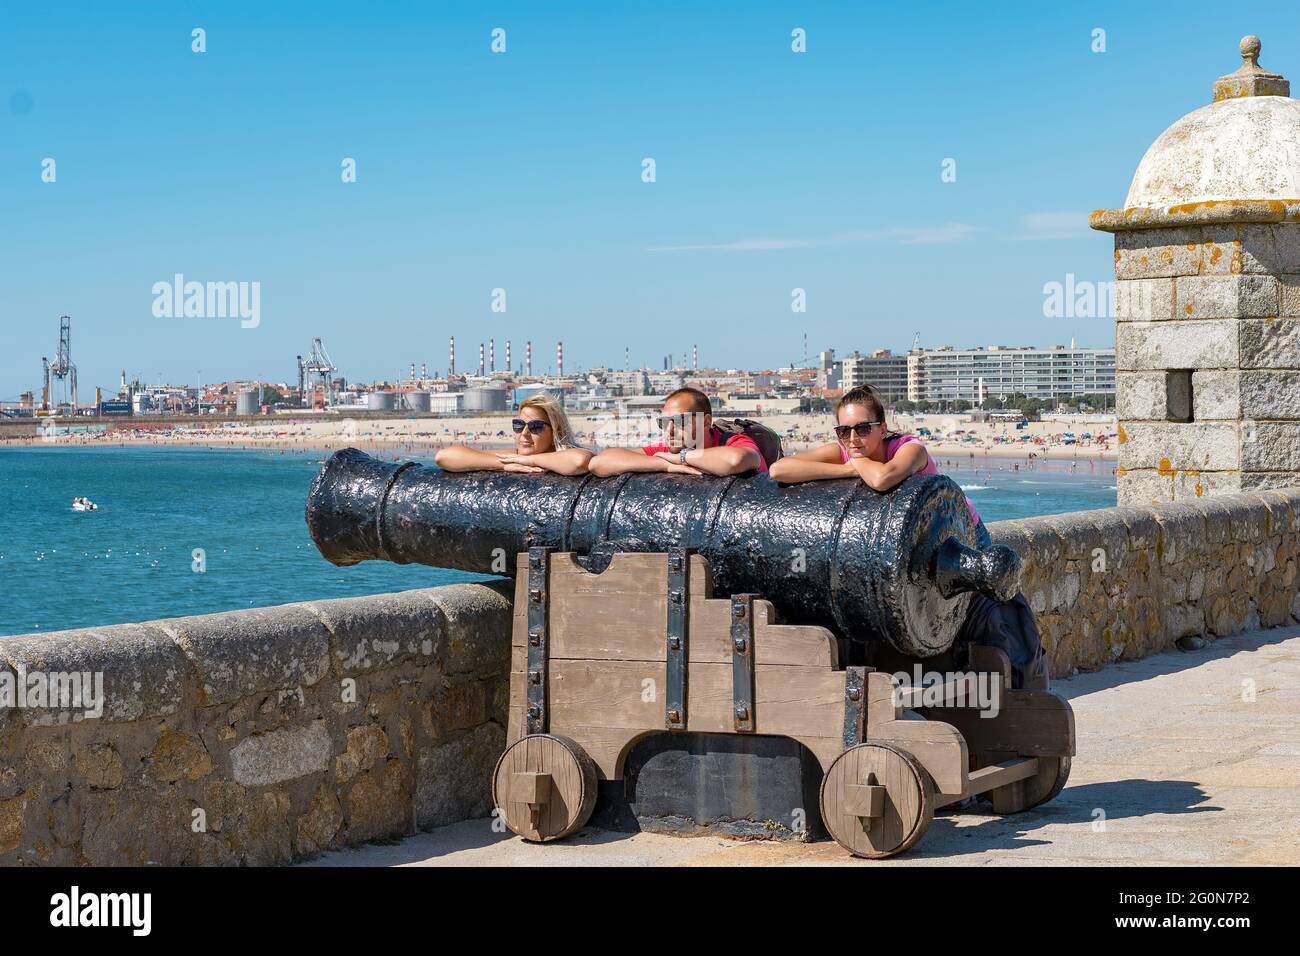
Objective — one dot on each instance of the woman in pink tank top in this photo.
(883, 459)
(864, 448)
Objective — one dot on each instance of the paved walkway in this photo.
(1179, 763)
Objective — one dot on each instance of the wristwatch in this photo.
(682, 457)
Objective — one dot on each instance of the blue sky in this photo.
(522, 171)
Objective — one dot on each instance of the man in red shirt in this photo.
(693, 445)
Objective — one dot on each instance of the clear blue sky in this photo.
(775, 170)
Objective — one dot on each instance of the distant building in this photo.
(947, 374)
(882, 370)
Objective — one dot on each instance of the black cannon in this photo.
(896, 567)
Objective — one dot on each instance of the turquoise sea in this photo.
(132, 560)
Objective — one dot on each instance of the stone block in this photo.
(1182, 531)
(1170, 447)
(1144, 486)
(382, 630)
(279, 755)
(1270, 480)
(1270, 394)
(479, 616)
(1267, 343)
(1289, 295)
(141, 671)
(240, 653)
(454, 780)
(1154, 253)
(1225, 297)
(1152, 346)
(1270, 446)
(1249, 249)
(1144, 300)
(1218, 520)
(1141, 396)
(1216, 395)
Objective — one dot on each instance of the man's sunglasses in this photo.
(677, 420)
(534, 425)
(861, 429)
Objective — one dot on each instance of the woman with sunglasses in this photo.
(543, 442)
(882, 459)
(866, 449)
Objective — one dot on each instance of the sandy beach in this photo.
(951, 436)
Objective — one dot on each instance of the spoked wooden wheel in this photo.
(545, 786)
(1022, 795)
(876, 800)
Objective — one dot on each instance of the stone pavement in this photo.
(1188, 757)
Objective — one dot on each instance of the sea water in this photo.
(184, 531)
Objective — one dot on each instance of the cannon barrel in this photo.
(898, 566)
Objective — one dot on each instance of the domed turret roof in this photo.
(1237, 159)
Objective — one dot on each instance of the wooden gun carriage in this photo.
(602, 660)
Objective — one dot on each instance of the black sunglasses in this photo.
(534, 425)
(861, 429)
(678, 420)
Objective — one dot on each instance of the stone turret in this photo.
(1207, 263)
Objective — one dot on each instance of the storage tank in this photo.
(246, 402)
(381, 401)
(485, 398)
(418, 402)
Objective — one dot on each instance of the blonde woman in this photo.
(543, 442)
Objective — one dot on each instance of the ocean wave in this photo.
(974, 487)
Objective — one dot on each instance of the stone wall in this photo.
(259, 736)
(267, 735)
(1122, 583)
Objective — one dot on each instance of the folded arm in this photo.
(721, 460)
(621, 461)
(819, 464)
(883, 475)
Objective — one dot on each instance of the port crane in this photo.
(318, 364)
(63, 369)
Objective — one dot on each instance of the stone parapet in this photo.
(1122, 583)
(259, 736)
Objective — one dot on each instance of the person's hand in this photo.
(862, 467)
(672, 457)
(677, 468)
(522, 469)
(514, 458)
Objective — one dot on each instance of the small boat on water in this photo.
(81, 503)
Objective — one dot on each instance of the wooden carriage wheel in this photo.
(545, 786)
(1022, 795)
(876, 800)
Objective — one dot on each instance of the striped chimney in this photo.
(451, 357)
(528, 357)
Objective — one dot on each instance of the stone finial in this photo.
(1251, 79)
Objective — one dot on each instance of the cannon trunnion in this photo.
(897, 567)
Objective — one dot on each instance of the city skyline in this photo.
(523, 171)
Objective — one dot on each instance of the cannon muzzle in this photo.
(897, 567)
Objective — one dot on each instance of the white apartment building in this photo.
(948, 374)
